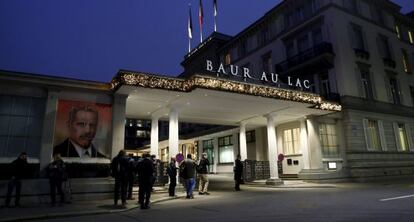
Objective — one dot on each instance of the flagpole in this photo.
(215, 15)
(200, 20)
(190, 28)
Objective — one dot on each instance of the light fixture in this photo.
(332, 166)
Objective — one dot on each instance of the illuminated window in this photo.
(407, 67)
(226, 154)
(372, 134)
(398, 30)
(411, 36)
(227, 59)
(401, 136)
(328, 138)
(291, 141)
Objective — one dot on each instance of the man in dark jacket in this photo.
(238, 172)
(18, 170)
(145, 176)
(119, 169)
(57, 173)
(131, 176)
(189, 166)
(203, 175)
(172, 173)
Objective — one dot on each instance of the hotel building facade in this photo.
(319, 90)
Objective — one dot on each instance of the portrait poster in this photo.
(82, 130)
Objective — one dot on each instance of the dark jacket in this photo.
(202, 166)
(66, 149)
(145, 171)
(238, 170)
(19, 168)
(120, 167)
(189, 166)
(56, 170)
(172, 170)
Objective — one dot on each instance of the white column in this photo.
(46, 149)
(154, 136)
(272, 151)
(216, 154)
(242, 142)
(315, 151)
(304, 144)
(118, 123)
(173, 133)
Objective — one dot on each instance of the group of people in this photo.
(124, 168)
(19, 167)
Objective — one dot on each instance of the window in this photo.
(358, 38)
(208, 148)
(325, 87)
(406, 64)
(250, 136)
(412, 94)
(398, 30)
(303, 43)
(372, 134)
(384, 47)
(377, 15)
(328, 138)
(263, 36)
(226, 154)
(351, 5)
(366, 83)
(401, 136)
(21, 123)
(291, 141)
(411, 36)
(317, 36)
(290, 49)
(227, 59)
(267, 62)
(395, 92)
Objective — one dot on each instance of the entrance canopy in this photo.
(209, 100)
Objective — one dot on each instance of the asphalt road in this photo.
(373, 203)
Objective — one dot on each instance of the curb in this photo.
(85, 213)
(291, 186)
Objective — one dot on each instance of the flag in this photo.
(201, 20)
(215, 7)
(201, 14)
(215, 15)
(190, 23)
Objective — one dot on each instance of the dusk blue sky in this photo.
(93, 39)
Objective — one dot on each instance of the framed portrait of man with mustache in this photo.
(83, 121)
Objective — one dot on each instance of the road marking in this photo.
(397, 198)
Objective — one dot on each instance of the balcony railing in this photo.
(361, 53)
(303, 57)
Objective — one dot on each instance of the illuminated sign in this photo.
(244, 72)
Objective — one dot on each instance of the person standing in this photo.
(18, 169)
(189, 166)
(172, 173)
(145, 176)
(57, 175)
(238, 172)
(119, 169)
(203, 175)
(131, 176)
(154, 174)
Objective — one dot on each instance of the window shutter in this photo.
(397, 137)
(400, 93)
(360, 87)
(372, 82)
(382, 136)
(366, 133)
(409, 137)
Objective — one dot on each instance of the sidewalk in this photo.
(78, 208)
